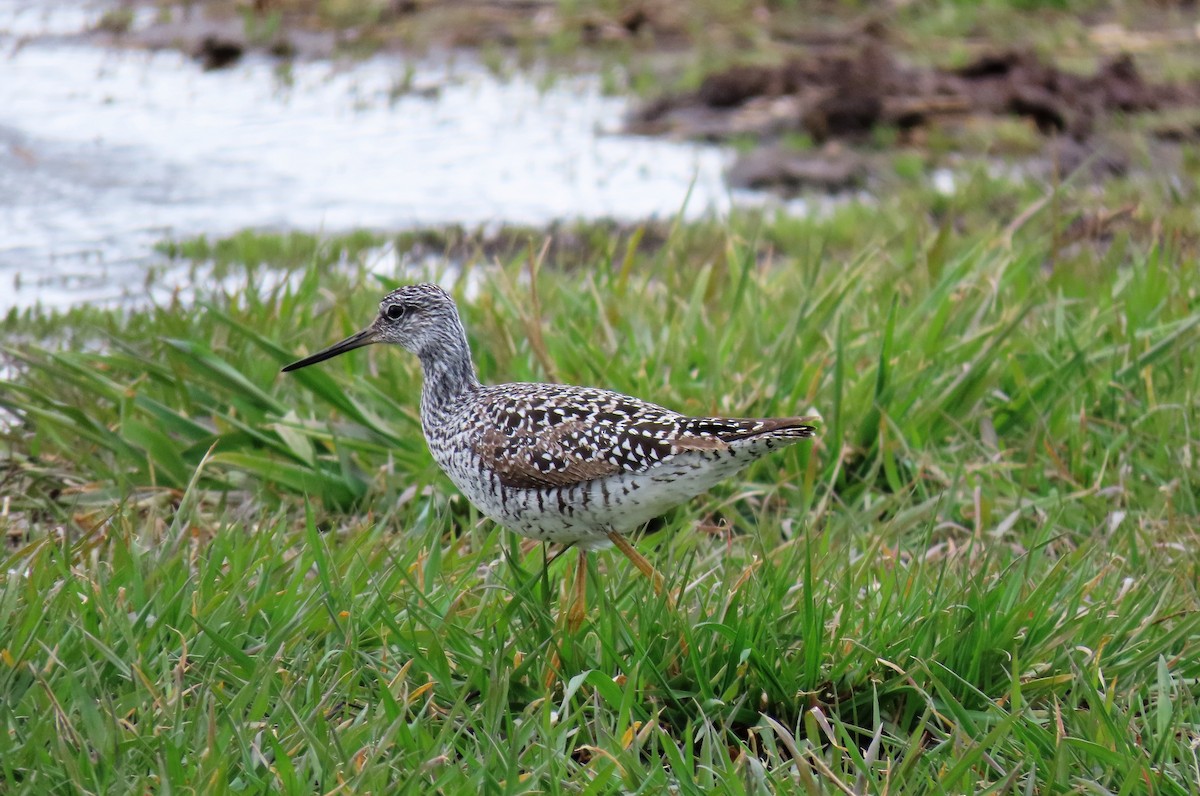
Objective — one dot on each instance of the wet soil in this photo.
(319, 28)
(846, 92)
(219, 32)
(567, 244)
(220, 40)
(847, 96)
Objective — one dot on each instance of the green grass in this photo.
(981, 578)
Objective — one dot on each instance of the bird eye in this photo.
(395, 312)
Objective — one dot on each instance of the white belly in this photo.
(584, 513)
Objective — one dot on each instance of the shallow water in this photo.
(104, 152)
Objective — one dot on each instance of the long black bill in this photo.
(365, 337)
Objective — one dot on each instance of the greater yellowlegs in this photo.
(574, 465)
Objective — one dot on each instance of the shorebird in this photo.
(574, 465)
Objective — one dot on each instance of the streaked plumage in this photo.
(550, 461)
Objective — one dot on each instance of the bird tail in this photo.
(729, 429)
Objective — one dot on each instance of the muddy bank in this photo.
(847, 93)
(846, 96)
(218, 33)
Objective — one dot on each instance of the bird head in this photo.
(416, 317)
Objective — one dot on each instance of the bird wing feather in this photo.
(557, 436)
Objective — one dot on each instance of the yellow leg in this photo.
(578, 610)
(640, 562)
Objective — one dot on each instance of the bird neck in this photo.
(449, 371)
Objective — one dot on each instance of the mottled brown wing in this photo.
(540, 436)
(533, 461)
